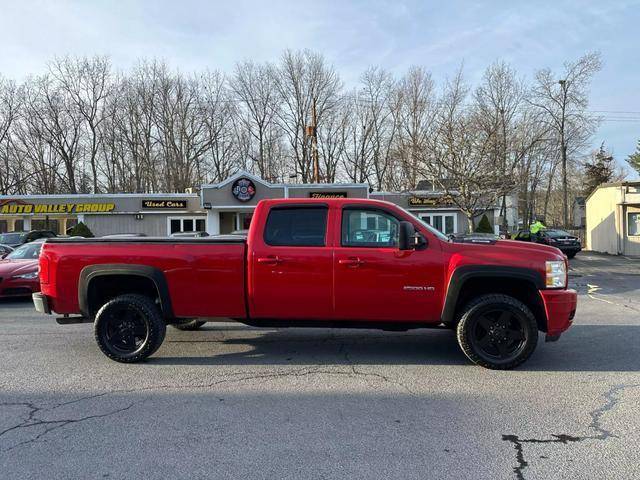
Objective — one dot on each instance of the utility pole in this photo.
(563, 153)
(314, 143)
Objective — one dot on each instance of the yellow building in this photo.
(613, 219)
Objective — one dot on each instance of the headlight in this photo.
(556, 274)
(27, 276)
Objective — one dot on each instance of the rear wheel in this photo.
(188, 325)
(129, 328)
(497, 332)
(571, 254)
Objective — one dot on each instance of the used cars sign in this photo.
(165, 204)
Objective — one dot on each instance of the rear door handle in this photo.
(270, 260)
(351, 262)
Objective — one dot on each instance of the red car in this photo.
(350, 263)
(19, 271)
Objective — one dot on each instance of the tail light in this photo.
(44, 269)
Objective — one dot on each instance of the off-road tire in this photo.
(519, 317)
(189, 325)
(148, 320)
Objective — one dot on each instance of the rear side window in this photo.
(296, 227)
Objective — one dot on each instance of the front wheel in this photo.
(497, 332)
(129, 328)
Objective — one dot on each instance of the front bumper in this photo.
(560, 308)
(18, 287)
(569, 248)
(41, 302)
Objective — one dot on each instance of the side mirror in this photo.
(407, 236)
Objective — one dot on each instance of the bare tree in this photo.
(417, 122)
(564, 100)
(86, 82)
(357, 134)
(52, 118)
(303, 80)
(256, 87)
(460, 159)
(384, 106)
(511, 127)
(11, 178)
(81, 128)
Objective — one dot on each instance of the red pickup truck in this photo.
(347, 263)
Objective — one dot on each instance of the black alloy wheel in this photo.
(126, 329)
(499, 334)
(497, 331)
(129, 328)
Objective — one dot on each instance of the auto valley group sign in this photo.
(14, 206)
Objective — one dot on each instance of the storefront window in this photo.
(634, 223)
(443, 222)
(187, 224)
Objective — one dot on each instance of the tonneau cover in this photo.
(212, 239)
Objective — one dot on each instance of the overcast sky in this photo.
(192, 35)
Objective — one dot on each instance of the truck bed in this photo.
(198, 271)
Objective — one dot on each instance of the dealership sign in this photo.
(444, 201)
(165, 204)
(9, 207)
(243, 189)
(327, 194)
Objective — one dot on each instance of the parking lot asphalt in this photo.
(232, 401)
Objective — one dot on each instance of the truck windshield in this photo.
(10, 238)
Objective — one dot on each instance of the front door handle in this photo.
(351, 261)
(270, 260)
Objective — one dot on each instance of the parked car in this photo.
(5, 250)
(19, 271)
(189, 234)
(564, 241)
(306, 263)
(15, 239)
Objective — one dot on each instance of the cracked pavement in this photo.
(238, 402)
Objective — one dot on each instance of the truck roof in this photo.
(327, 201)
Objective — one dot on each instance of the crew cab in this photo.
(351, 263)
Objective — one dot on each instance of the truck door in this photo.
(374, 280)
(291, 266)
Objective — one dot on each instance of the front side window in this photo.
(296, 227)
(369, 228)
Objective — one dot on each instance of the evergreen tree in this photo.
(80, 230)
(634, 159)
(600, 170)
(484, 226)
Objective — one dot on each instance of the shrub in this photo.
(80, 230)
(484, 226)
